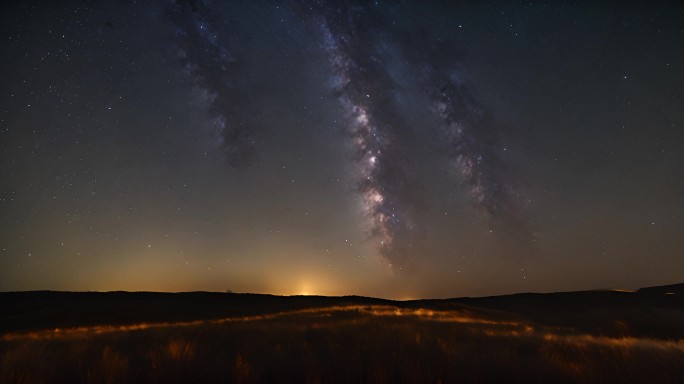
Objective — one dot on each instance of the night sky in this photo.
(398, 149)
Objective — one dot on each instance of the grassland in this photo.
(580, 337)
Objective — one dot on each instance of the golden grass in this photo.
(379, 343)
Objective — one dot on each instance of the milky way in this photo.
(353, 36)
(365, 90)
(472, 139)
(207, 58)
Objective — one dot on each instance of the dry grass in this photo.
(378, 344)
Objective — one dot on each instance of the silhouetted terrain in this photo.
(591, 336)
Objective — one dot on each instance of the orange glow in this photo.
(305, 290)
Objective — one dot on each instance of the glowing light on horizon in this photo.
(305, 291)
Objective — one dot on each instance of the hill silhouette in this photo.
(653, 311)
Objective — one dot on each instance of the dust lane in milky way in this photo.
(366, 91)
(208, 58)
(364, 88)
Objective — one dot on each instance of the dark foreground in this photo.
(596, 336)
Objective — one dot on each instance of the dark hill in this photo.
(650, 312)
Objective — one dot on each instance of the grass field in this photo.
(369, 343)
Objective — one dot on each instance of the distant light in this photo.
(305, 290)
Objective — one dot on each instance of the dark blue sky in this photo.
(393, 149)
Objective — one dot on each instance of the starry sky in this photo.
(397, 149)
